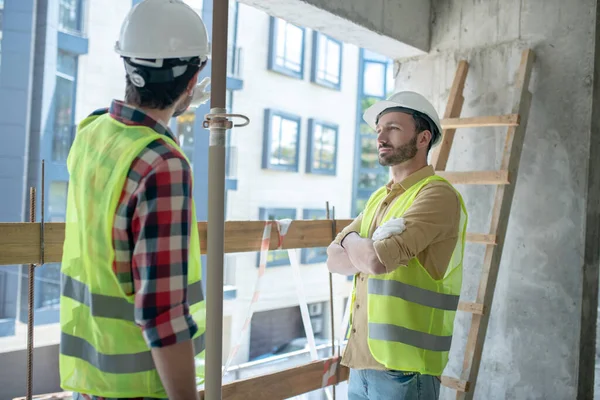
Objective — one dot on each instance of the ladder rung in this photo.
(456, 384)
(475, 177)
(481, 238)
(481, 122)
(475, 308)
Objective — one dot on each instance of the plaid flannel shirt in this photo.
(153, 210)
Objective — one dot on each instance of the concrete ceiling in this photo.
(394, 28)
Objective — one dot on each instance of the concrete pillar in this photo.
(532, 345)
(395, 28)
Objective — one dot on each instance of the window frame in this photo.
(71, 78)
(273, 40)
(307, 214)
(267, 139)
(315, 62)
(312, 123)
(262, 216)
(79, 30)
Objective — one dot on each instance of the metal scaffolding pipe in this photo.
(216, 204)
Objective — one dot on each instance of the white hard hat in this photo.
(163, 29)
(411, 100)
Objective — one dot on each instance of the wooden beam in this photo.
(481, 238)
(456, 384)
(20, 242)
(481, 122)
(282, 384)
(473, 308)
(279, 385)
(476, 177)
(441, 153)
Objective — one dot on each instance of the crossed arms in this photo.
(432, 218)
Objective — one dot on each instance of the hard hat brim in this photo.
(370, 115)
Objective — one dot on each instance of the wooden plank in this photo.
(475, 177)
(279, 385)
(500, 216)
(282, 384)
(456, 384)
(481, 122)
(440, 155)
(481, 238)
(473, 308)
(20, 242)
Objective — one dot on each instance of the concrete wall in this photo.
(531, 350)
(300, 190)
(14, 372)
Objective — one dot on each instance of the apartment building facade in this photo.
(304, 93)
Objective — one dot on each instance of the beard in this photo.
(398, 155)
(183, 106)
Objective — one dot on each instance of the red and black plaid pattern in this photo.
(151, 235)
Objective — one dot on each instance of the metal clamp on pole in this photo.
(221, 120)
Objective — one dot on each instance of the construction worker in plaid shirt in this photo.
(132, 308)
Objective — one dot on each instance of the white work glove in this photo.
(394, 226)
(201, 95)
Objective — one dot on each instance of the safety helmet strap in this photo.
(143, 72)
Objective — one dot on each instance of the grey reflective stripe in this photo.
(394, 333)
(77, 347)
(113, 307)
(413, 294)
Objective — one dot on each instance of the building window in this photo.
(64, 106)
(70, 16)
(375, 83)
(286, 48)
(322, 150)
(281, 138)
(327, 61)
(185, 133)
(276, 257)
(313, 255)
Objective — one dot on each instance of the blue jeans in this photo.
(366, 384)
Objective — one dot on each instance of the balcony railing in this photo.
(21, 243)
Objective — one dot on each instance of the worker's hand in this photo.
(394, 226)
(201, 95)
(362, 254)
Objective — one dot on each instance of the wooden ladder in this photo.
(506, 179)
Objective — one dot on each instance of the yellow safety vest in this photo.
(410, 314)
(102, 350)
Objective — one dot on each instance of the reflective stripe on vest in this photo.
(395, 333)
(113, 307)
(413, 294)
(76, 347)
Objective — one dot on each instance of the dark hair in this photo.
(422, 121)
(160, 95)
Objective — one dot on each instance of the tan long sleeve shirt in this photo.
(431, 233)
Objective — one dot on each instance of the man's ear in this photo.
(425, 139)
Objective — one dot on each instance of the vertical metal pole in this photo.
(30, 308)
(216, 205)
(333, 233)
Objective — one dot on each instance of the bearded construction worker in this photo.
(405, 251)
(132, 310)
